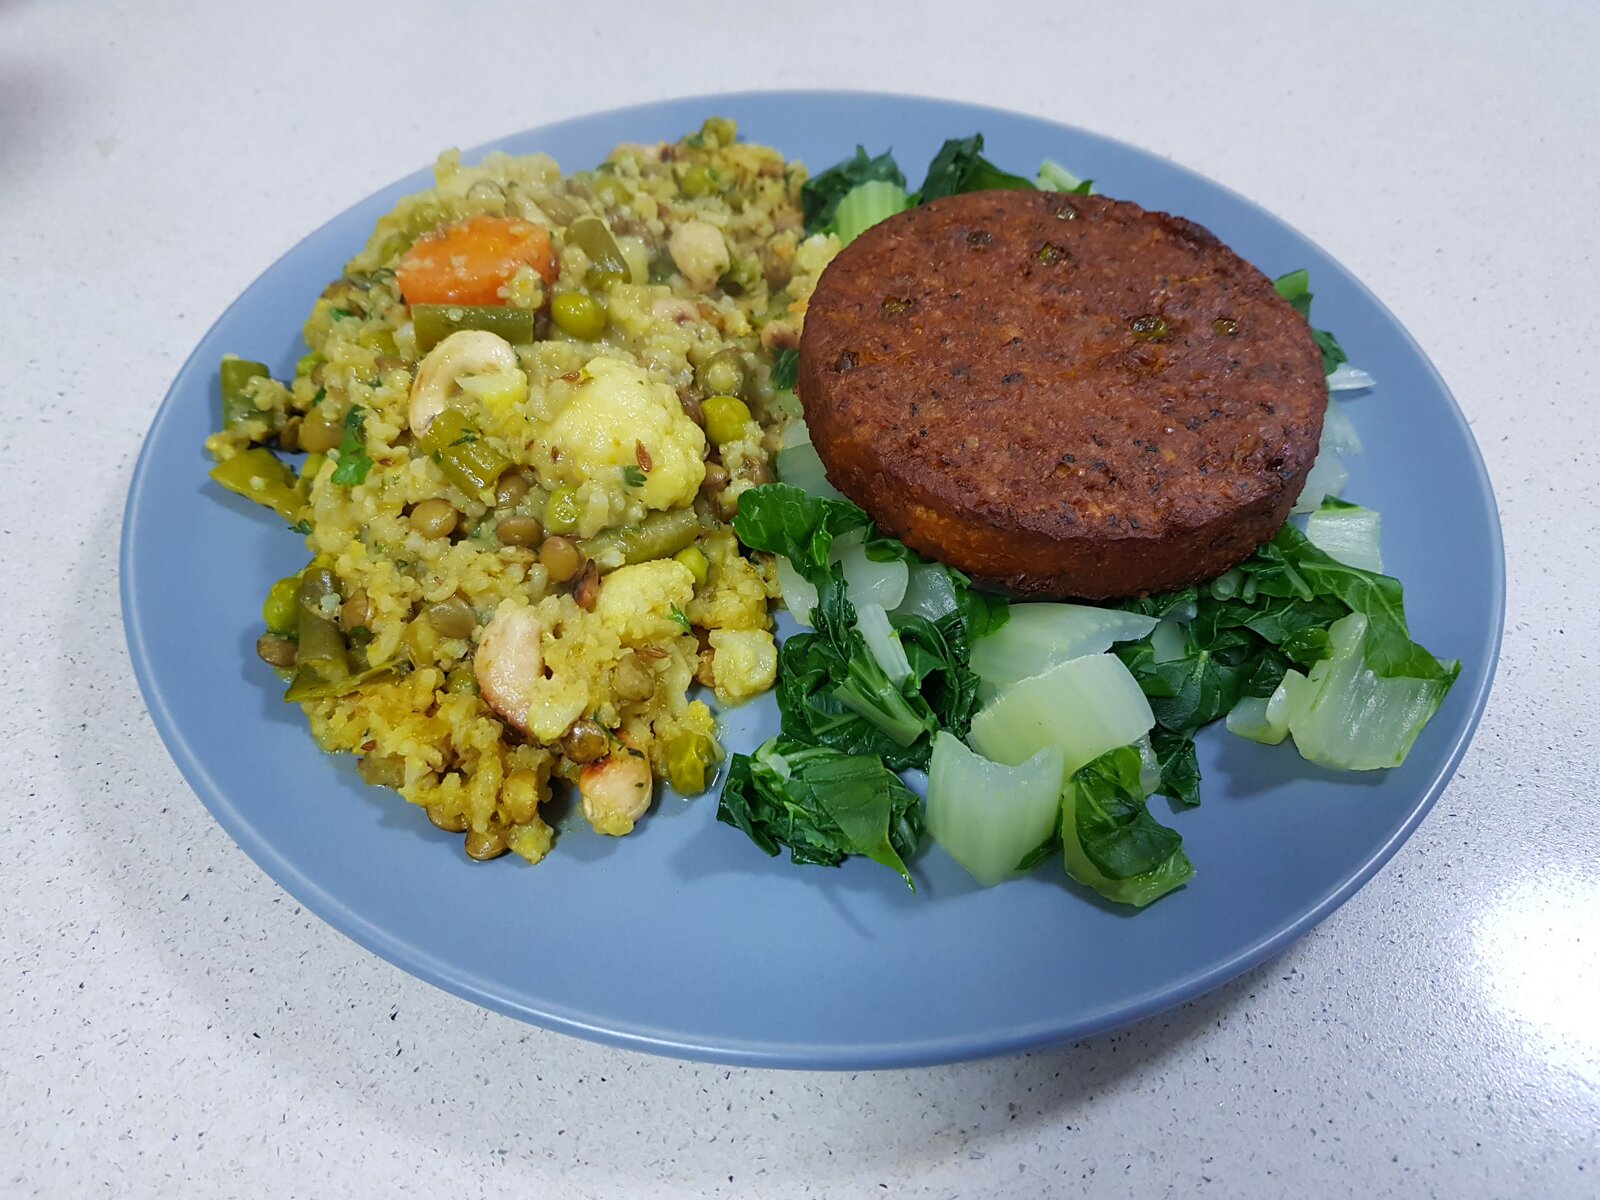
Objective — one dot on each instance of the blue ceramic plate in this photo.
(683, 938)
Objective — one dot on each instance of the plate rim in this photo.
(766, 1053)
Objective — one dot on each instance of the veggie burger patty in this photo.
(1061, 395)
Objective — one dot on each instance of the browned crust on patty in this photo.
(1061, 395)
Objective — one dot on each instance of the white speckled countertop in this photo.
(172, 1024)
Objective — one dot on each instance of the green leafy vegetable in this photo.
(1348, 716)
(823, 805)
(633, 477)
(828, 698)
(1180, 769)
(1053, 177)
(832, 690)
(864, 205)
(801, 466)
(960, 167)
(820, 196)
(678, 615)
(1037, 636)
(1110, 841)
(784, 520)
(354, 461)
(1270, 615)
(1295, 287)
(1086, 706)
(938, 654)
(988, 816)
(1347, 532)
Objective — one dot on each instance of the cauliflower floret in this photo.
(620, 424)
(636, 602)
(735, 594)
(744, 662)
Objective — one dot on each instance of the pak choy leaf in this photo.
(831, 689)
(1295, 287)
(1110, 841)
(820, 196)
(1271, 614)
(814, 683)
(823, 805)
(1291, 565)
(784, 520)
(960, 167)
(1180, 769)
(937, 651)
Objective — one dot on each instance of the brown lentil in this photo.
(512, 486)
(584, 741)
(561, 557)
(319, 433)
(435, 518)
(453, 618)
(356, 612)
(449, 822)
(278, 651)
(490, 843)
(516, 530)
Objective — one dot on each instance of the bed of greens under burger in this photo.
(1044, 729)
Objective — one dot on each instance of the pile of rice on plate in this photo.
(530, 406)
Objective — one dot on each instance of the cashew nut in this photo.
(700, 252)
(465, 352)
(616, 792)
(509, 663)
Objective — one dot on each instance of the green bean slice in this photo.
(432, 323)
(322, 646)
(258, 474)
(308, 685)
(236, 404)
(591, 236)
(660, 536)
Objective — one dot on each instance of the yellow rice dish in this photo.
(530, 406)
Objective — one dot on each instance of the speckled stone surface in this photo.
(173, 1024)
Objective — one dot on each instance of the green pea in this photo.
(612, 190)
(725, 418)
(561, 511)
(695, 559)
(723, 374)
(279, 611)
(698, 180)
(578, 315)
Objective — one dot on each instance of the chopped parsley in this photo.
(354, 461)
(786, 370)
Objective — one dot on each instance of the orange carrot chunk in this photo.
(470, 261)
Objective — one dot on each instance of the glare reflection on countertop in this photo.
(1538, 950)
